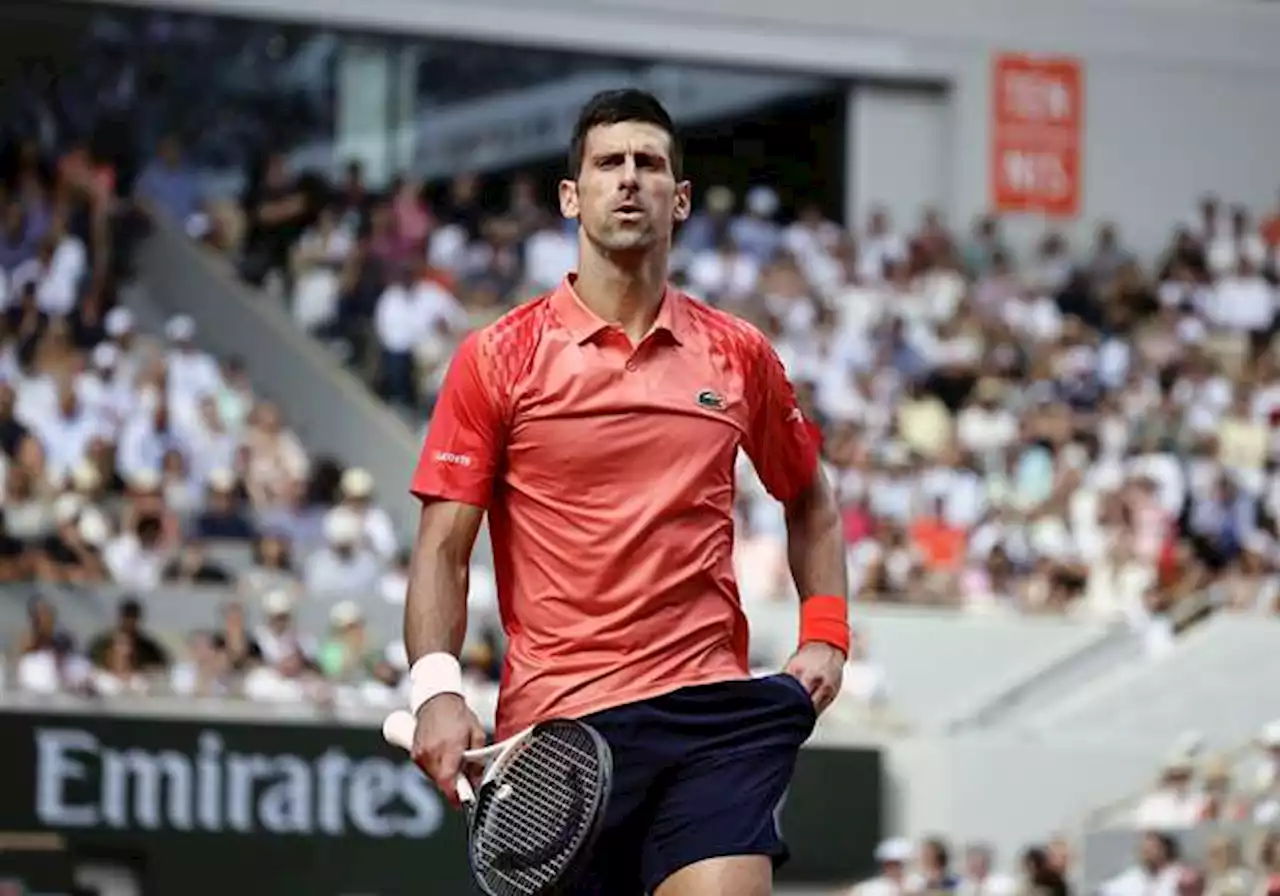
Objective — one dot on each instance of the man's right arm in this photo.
(435, 615)
(454, 480)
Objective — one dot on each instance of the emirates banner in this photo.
(212, 807)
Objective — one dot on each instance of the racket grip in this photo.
(398, 730)
(465, 791)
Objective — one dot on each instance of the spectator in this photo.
(144, 654)
(357, 496)
(892, 856)
(275, 208)
(979, 878)
(1156, 873)
(278, 640)
(119, 673)
(344, 565)
(1225, 874)
(193, 567)
(171, 187)
(1175, 803)
(241, 648)
(135, 558)
(54, 668)
(935, 867)
(276, 460)
(207, 673)
(272, 568)
(344, 655)
(222, 516)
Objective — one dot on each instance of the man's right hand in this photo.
(446, 728)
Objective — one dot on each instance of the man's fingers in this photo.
(445, 775)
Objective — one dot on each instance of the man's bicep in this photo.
(778, 441)
(466, 435)
(448, 529)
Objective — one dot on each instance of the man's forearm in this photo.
(435, 611)
(815, 541)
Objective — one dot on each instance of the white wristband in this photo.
(432, 675)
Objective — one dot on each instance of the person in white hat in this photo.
(344, 565)
(102, 391)
(278, 638)
(344, 653)
(193, 374)
(357, 495)
(894, 857)
(1175, 803)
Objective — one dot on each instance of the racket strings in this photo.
(542, 803)
(542, 797)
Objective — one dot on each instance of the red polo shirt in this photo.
(608, 473)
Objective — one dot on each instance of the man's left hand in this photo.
(820, 668)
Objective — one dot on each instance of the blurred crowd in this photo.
(931, 867)
(1196, 788)
(1073, 430)
(136, 461)
(1226, 864)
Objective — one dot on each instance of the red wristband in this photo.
(825, 619)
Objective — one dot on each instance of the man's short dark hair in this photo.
(615, 107)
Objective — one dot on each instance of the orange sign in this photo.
(1037, 112)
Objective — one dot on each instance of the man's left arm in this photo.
(786, 459)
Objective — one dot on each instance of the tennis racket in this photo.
(539, 808)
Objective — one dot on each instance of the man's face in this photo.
(626, 196)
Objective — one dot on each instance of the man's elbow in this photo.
(814, 506)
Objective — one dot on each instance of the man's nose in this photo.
(629, 171)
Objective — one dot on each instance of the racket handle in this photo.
(465, 791)
(398, 729)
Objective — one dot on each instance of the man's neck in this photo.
(621, 292)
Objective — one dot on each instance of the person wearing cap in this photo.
(1174, 803)
(894, 858)
(192, 374)
(357, 495)
(344, 565)
(345, 652)
(107, 398)
(278, 638)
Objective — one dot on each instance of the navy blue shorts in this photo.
(698, 773)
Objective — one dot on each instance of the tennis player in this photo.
(598, 426)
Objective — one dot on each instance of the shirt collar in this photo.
(584, 324)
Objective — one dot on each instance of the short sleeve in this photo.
(778, 439)
(465, 438)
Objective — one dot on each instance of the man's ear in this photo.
(569, 207)
(683, 206)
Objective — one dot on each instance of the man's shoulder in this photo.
(518, 329)
(723, 330)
